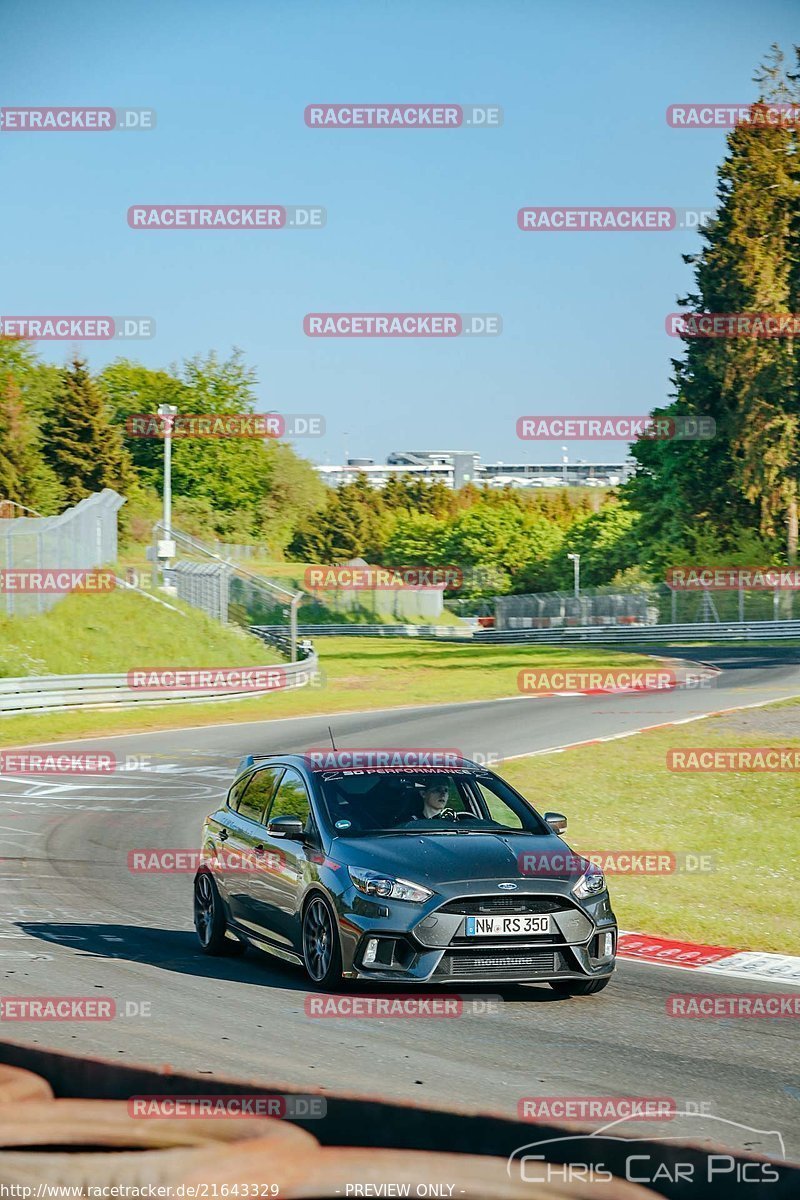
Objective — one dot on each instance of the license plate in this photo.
(506, 926)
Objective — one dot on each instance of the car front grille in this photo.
(480, 906)
(501, 964)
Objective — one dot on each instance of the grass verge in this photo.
(97, 634)
(620, 796)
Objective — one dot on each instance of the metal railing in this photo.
(276, 637)
(706, 631)
(62, 693)
(423, 631)
(712, 631)
(248, 594)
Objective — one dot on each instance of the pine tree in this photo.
(748, 475)
(83, 447)
(25, 478)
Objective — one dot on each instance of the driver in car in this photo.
(434, 799)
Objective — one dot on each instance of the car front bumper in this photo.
(412, 943)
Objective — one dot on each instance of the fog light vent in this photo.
(371, 952)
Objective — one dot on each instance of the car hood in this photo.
(436, 858)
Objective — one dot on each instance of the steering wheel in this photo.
(466, 816)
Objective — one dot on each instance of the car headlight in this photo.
(374, 883)
(591, 883)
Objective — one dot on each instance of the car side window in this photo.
(291, 800)
(253, 804)
(235, 794)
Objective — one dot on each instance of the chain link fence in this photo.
(656, 605)
(203, 585)
(80, 538)
(550, 610)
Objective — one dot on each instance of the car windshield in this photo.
(424, 802)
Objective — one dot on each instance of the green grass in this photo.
(87, 634)
(621, 796)
(358, 673)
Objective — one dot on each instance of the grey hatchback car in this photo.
(400, 875)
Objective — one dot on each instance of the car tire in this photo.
(322, 949)
(579, 987)
(210, 920)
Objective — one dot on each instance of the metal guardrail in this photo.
(62, 693)
(277, 637)
(710, 631)
(423, 631)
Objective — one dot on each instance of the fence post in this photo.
(9, 563)
(40, 565)
(293, 624)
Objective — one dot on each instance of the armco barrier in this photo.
(446, 632)
(710, 631)
(61, 693)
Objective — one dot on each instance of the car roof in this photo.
(364, 760)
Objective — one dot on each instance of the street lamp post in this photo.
(576, 567)
(166, 546)
(564, 463)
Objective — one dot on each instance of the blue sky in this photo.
(416, 220)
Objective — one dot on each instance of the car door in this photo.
(290, 857)
(244, 848)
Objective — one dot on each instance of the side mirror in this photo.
(288, 827)
(556, 821)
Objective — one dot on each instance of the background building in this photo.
(455, 468)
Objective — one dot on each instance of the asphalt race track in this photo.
(75, 922)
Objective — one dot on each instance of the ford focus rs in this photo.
(440, 875)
